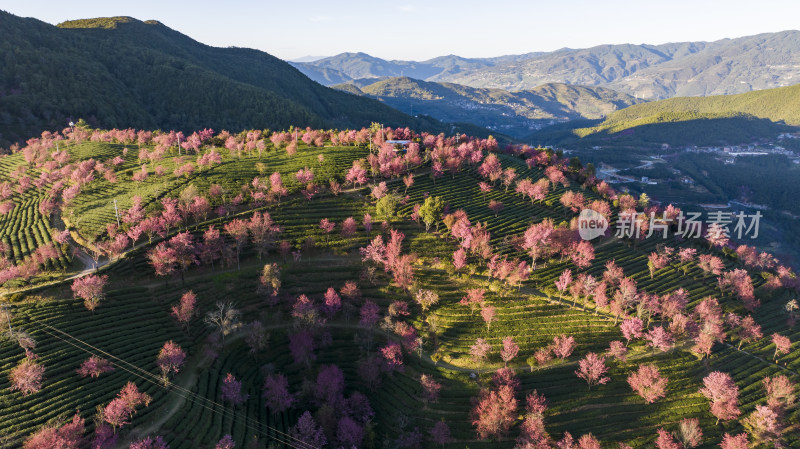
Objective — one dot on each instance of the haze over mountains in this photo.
(727, 66)
(512, 113)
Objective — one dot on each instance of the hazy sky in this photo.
(412, 29)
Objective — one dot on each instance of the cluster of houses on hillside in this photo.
(729, 154)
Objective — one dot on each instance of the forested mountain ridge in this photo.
(122, 72)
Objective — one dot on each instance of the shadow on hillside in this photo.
(702, 132)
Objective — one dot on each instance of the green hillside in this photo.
(381, 329)
(121, 72)
(704, 120)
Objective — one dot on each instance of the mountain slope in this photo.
(121, 72)
(705, 120)
(591, 66)
(727, 66)
(777, 105)
(514, 113)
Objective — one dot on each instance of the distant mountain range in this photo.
(347, 67)
(514, 113)
(308, 58)
(727, 66)
(122, 72)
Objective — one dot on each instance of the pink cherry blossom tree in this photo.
(489, 315)
(276, 392)
(226, 442)
(781, 392)
(150, 443)
(440, 433)
(430, 388)
(765, 425)
(723, 395)
(592, 368)
(231, 390)
(480, 351)
(564, 280)
(740, 441)
(563, 346)
(349, 432)
(631, 328)
(495, 412)
(170, 360)
(332, 302)
(473, 299)
(95, 366)
(648, 383)
(307, 431)
(617, 350)
(392, 355)
(349, 227)
(659, 338)
(582, 254)
(26, 377)
(90, 288)
(238, 230)
(330, 384)
(666, 440)
(782, 345)
(163, 259)
(68, 435)
(509, 350)
(185, 309)
(327, 227)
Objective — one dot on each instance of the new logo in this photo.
(591, 224)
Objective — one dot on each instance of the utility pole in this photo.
(116, 211)
(8, 318)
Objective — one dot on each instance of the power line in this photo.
(187, 394)
(154, 379)
(7, 313)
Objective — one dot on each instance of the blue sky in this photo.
(412, 29)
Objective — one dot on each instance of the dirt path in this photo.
(185, 381)
(188, 378)
(159, 283)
